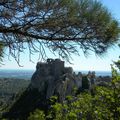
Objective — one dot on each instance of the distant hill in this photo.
(9, 88)
(27, 74)
(20, 74)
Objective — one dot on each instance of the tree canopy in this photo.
(62, 26)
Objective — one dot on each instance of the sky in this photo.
(92, 62)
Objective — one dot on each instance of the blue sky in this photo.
(92, 62)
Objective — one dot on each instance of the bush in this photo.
(104, 105)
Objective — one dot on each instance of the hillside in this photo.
(9, 89)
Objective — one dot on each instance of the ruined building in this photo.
(53, 78)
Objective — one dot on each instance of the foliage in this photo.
(103, 105)
(37, 115)
(62, 26)
(10, 90)
(117, 64)
(10, 86)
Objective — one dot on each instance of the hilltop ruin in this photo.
(52, 77)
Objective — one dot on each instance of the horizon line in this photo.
(73, 70)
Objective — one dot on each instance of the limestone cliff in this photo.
(53, 78)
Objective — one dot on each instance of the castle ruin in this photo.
(54, 78)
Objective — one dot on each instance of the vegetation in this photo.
(62, 26)
(12, 86)
(104, 105)
(9, 89)
(26, 102)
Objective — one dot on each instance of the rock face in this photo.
(53, 78)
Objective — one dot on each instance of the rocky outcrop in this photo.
(103, 81)
(53, 78)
